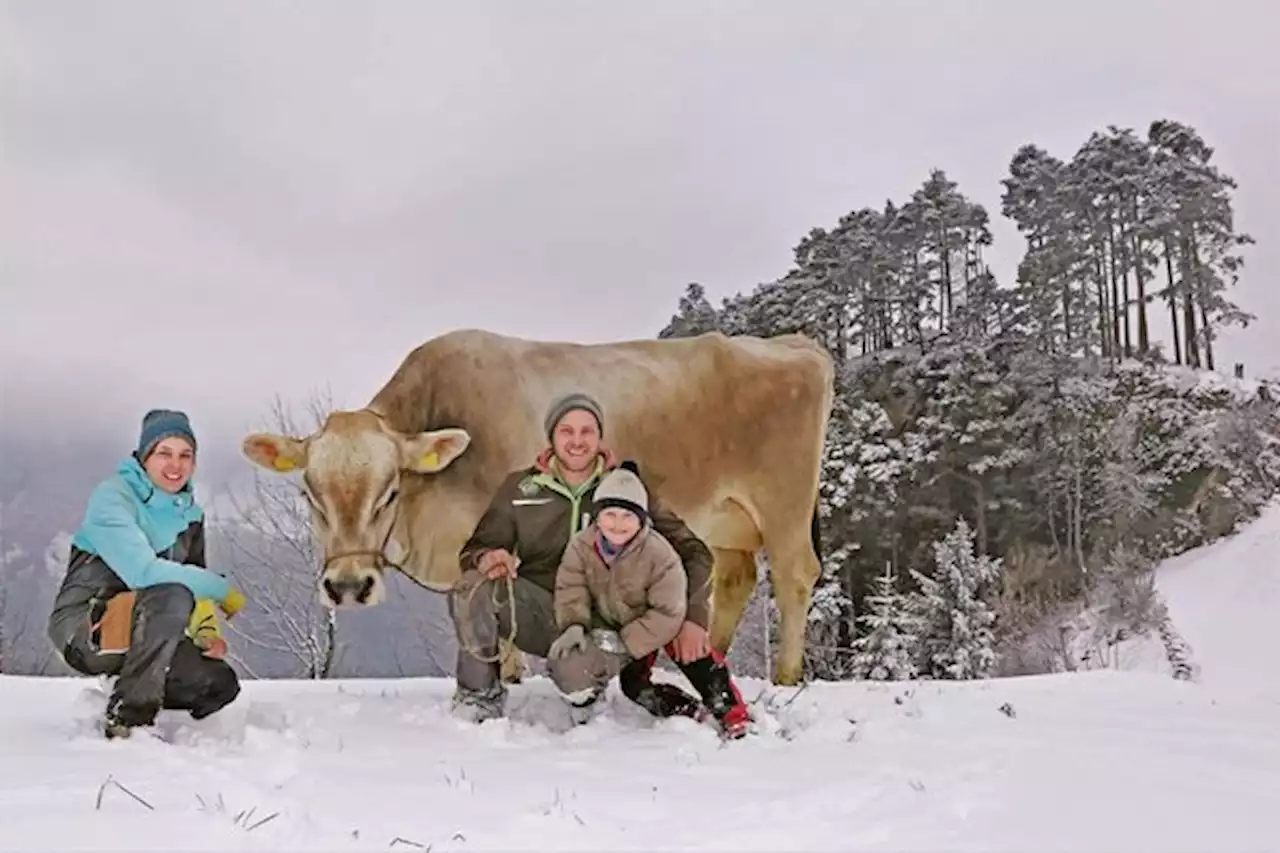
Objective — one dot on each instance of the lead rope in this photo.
(465, 626)
(466, 637)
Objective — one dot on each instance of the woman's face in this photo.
(171, 464)
(618, 525)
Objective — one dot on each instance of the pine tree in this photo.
(694, 316)
(887, 651)
(958, 642)
(1200, 241)
(1041, 411)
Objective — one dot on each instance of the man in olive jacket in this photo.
(523, 534)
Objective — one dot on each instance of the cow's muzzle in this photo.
(348, 588)
(358, 583)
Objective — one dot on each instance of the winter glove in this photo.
(609, 641)
(573, 638)
(234, 601)
(203, 629)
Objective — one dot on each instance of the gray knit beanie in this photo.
(567, 404)
(622, 488)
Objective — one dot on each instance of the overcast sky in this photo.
(315, 188)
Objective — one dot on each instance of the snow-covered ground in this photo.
(1105, 760)
(1225, 601)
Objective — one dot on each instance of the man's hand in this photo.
(692, 643)
(497, 562)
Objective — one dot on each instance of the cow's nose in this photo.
(349, 589)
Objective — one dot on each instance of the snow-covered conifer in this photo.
(956, 609)
(888, 648)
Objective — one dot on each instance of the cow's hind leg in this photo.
(794, 570)
(734, 581)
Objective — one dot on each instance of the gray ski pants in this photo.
(481, 614)
(162, 668)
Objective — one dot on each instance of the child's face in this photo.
(618, 525)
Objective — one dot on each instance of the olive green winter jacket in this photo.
(534, 514)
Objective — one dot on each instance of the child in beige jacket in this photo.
(620, 598)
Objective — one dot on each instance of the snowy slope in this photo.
(1224, 599)
(1106, 760)
(1088, 762)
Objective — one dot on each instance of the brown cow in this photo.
(729, 429)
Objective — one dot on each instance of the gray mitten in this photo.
(573, 638)
(609, 641)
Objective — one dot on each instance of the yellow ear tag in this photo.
(431, 460)
(281, 463)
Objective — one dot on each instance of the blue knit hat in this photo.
(159, 424)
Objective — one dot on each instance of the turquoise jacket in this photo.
(130, 524)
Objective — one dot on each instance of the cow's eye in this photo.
(386, 502)
(315, 506)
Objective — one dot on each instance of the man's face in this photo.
(576, 440)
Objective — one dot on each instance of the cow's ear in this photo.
(432, 451)
(278, 453)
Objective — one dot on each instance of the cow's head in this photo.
(351, 475)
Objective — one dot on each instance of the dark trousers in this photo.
(162, 668)
(708, 675)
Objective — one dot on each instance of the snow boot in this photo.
(735, 723)
(711, 677)
(666, 700)
(477, 706)
(120, 720)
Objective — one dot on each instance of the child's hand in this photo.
(609, 641)
(573, 639)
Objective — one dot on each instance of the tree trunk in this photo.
(1066, 313)
(918, 320)
(1172, 300)
(1122, 247)
(946, 306)
(1144, 340)
(1109, 262)
(1206, 329)
(1189, 333)
(945, 252)
(1104, 327)
(1208, 338)
(330, 646)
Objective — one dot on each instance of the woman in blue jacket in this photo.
(143, 533)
